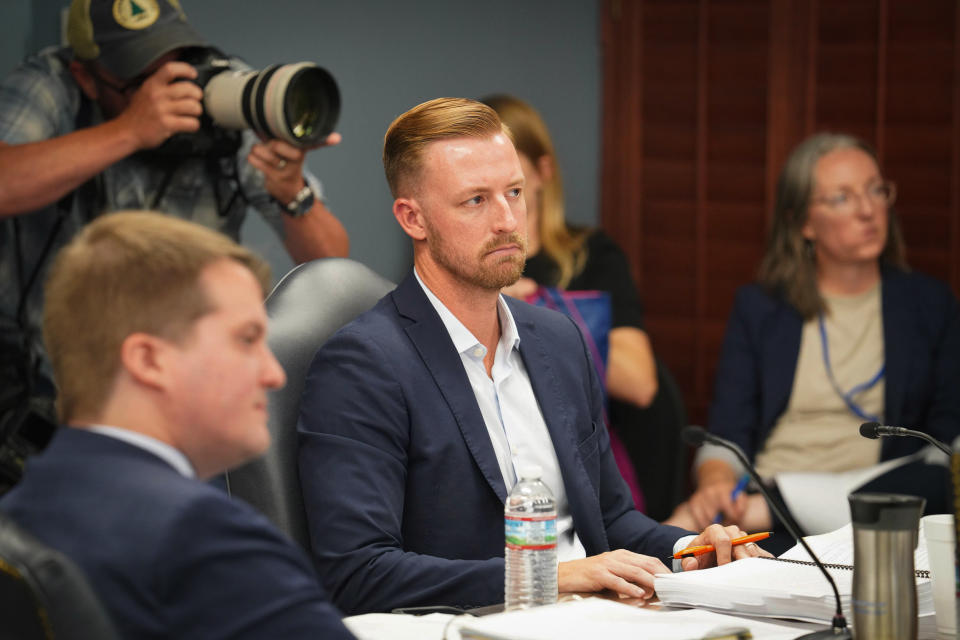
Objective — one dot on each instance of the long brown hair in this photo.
(789, 266)
(564, 245)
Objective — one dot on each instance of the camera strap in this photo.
(169, 170)
(27, 419)
(234, 178)
(90, 191)
(214, 170)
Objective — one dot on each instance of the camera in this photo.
(27, 416)
(298, 103)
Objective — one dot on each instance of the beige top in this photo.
(818, 432)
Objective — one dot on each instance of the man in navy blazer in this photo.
(416, 415)
(156, 330)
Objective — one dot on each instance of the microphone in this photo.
(874, 430)
(696, 436)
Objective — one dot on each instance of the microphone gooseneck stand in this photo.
(874, 430)
(696, 436)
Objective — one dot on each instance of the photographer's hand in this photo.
(164, 105)
(318, 234)
(137, 118)
(282, 166)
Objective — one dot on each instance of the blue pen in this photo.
(737, 490)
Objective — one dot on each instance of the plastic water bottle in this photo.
(530, 523)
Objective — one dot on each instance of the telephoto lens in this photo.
(298, 103)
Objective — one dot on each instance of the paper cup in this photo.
(939, 533)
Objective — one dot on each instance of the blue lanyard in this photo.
(848, 396)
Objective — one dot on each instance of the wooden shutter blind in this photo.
(702, 102)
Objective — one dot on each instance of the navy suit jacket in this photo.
(169, 556)
(921, 335)
(402, 487)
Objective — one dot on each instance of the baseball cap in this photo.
(126, 36)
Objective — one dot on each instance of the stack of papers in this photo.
(768, 587)
(836, 547)
(759, 586)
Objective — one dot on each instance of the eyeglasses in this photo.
(846, 201)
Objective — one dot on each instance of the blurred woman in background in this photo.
(578, 259)
(836, 332)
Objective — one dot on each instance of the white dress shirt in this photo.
(511, 413)
(172, 456)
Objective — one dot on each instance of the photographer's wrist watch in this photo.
(301, 203)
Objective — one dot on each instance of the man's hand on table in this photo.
(630, 574)
(621, 571)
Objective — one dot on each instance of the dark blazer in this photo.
(921, 334)
(403, 492)
(169, 556)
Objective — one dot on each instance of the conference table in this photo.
(578, 617)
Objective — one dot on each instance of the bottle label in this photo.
(531, 532)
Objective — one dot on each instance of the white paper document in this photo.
(818, 500)
(836, 547)
(393, 626)
(609, 620)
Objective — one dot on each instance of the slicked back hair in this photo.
(439, 119)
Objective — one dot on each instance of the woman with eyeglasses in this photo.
(837, 331)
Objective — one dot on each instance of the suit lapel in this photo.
(781, 340)
(896, 338)
(431, 340)
(553, 401)
(546, 388)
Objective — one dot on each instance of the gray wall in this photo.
(14, 32)
(388, 56)
(25, 26)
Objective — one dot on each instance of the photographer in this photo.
(86, 129)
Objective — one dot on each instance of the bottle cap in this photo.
(531, 472)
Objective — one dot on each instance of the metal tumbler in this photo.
(884, 584)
